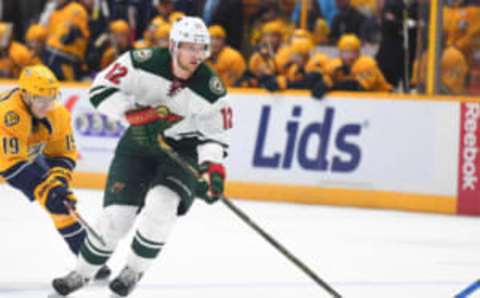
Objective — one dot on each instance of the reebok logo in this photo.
(470, 147)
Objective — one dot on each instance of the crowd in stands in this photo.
(262, 46)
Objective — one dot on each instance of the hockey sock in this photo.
(144, 251)
(74, 235)
(72, 232)
(94, 255)
(155, 223)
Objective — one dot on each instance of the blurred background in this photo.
(401, 46)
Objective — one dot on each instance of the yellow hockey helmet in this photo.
(36, 32)
(162, 31)
(119, 26)
(39, 80)
(349, 42)
(217, 31)
(301, 46)
(175, 16)
(156, 22)
(301, 34)
(273, 27)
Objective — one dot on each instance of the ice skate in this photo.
(70, 283)
(125, 282)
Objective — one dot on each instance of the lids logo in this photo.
(470, 148)
(334, 150)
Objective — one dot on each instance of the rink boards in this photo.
(382, 151)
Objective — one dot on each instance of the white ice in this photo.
(211, 253)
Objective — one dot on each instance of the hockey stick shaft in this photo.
(246, 219)
(85, 224)
(469, 290)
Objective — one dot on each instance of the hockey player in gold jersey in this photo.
(119, 42)
(38, 151)
(352, 71)
(226, 61)
(67, 40)
(13, 55)
(36, 39)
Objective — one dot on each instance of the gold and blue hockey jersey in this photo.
(23, 137)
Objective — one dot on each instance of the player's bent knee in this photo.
(115, 222)
(159, 213)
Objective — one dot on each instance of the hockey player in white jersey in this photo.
(169, 93)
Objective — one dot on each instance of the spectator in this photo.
(352, 72)
(160, 37)
(320, 32)
(227, 62)
(21, 13)
(67, 41)
(13, 55)
(98, 16)
(462, 27)
(136, 12)
(36, 39)
(454, 72)
(295, 76)
(272, 35)
(226, 13)
(119, 42)
(267, 13)
(317, 63)
(347, 20)
(391, 52)
(284, 54)
(328, 9)
(147, 40)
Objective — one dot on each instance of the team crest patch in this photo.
(142, 55)
(11, 118)
(216, 86)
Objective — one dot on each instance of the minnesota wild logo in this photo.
(164, 113)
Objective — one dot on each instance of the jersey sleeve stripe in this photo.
(102, 95)
(13, 171)
(64, 162)
(96, 88)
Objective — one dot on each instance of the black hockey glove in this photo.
(210, 186)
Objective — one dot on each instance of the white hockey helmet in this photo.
(190, 29)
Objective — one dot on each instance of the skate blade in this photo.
(55, 295)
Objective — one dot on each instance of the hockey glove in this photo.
(148, 134)
(211, 185)
(148, 123)
(53, 194)
(62, 174)
(274, 83)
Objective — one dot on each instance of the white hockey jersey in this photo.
(143, 77)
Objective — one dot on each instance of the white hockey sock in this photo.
(156, 220)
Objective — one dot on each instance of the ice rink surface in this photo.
(213, 254)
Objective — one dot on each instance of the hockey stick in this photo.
(469, 290)
(246, 219)
(84, 223)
